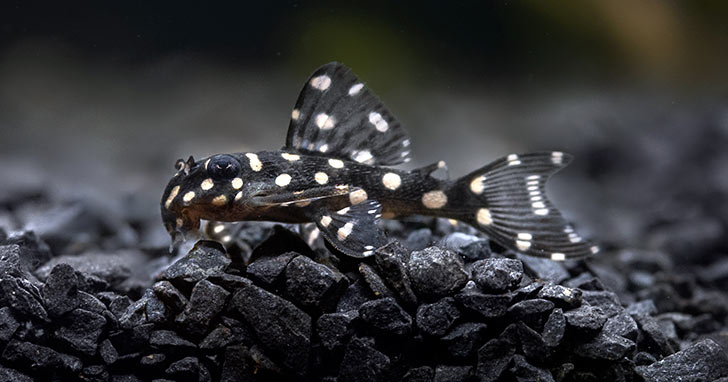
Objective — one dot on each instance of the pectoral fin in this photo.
(352, 230)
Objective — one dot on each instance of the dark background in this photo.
(99, 99)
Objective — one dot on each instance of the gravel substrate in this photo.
(437, 304)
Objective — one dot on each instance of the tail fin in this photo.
(507, 200)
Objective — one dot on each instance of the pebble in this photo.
(465, 339)
(8, 324)
(376, 284)
(363, 363)
(335, 328)
(586, 319)
(386, 316)
(533, 312)
(703, 361)
(486, 305)
(205, 259)
(554, 328)
(267, 271)
(391, 268)
(497, 274)
(313, 286)
(436, 319)
(81, 330)
(563, 296)
(436, 272)
(206, 302)
(283, 329)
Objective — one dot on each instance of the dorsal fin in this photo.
(336, 115)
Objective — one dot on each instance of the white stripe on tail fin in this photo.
(507, 200)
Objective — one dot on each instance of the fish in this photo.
(338, 170)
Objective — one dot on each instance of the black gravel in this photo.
(81, 299)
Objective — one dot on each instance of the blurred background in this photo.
(98, 100)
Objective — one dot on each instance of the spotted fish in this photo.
(334, 171)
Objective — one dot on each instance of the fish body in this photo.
(333, 171)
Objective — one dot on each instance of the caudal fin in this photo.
(507, 200)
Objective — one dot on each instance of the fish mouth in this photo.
(181, 226)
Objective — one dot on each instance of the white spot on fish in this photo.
(484, 217)
(354, 90)
(523, 245)
(290, 157)
(391, 180)
(295, 114)
(541, 211)
(594, 249)
(336, 163)
(358, 196)
(179, 222)
(513, 160)
(477, 185)
(343, 211)
(538, 205)
(255, 163)
(189, 196)
(172, 194)
(325, 220)
(321, 82)
(325, 122)
(238, 196)
(283, 180)
(207, 184)
(557, 157)
(344, 231)
(363, 156)
(434, 199)
(218, 228)
(405, 143)
(237, 183)
(324, 148)
(321, 178)
(378, 122)
(525, 236)
(219, 200)
(558, 256)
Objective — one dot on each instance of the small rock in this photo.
(60, 292)
(465, 339)
(107, 352)
(653, 336)
(8, 324)
(487, 305)
(646, 307)
(37, 357)
(334, 328)
(205, 259)
(21, 299)
(644, 358)
(156, 311)
(436, 319)
(95, 373)
(544, 269)
(418, 240)
(282, 328)
(564, 297)
(394, 273)
(493, 359)
(163, 339)
(532, 343)
(703, 361)
(31, 249)
(355, 295)
(81, 330)
(524, 371)
(648, 261)
(313, 286)
(238, 365)
(554, 328)
(186, 368)
(436, 272)
(533, 312)
(206, 301)
(10, 375)
(452, 373)
(171, 296)
(266, 271)
(113, 267)
(363, 363)
(623, 325)
(606, 300)
(135, 314)
(586, 319)
(375, 282)
(419, 374)
(154, 359)
(606, 347)
(497, 274)
(479, 249)
(387, 316)
(219, 338)
(585, 281)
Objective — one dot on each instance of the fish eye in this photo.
(223, 167)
